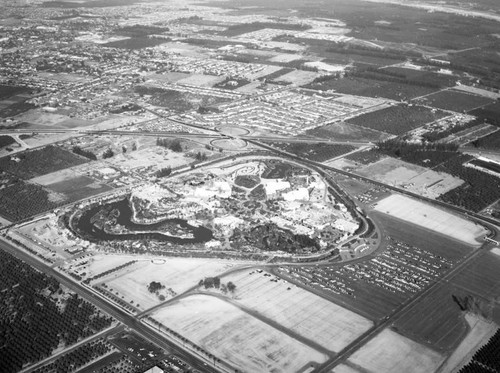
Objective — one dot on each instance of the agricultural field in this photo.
(415, 178)
(133, 43)
(390, 352)
(372, 88)
(235, 337)
(398, 119)
(491, 141)
(176, 275)
(70, 185)
(481, 279)
(20, 200)
(177, 100)
(435, 320)
(490, 113)
(454, 100)
(6, 141)
(38, 162)
(422, 76)
(7, 91)
(432, 218)
(347, 132)
(298, 310)
(480, 189)
(47, 316)
(318, 152)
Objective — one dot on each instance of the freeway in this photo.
(125, 318)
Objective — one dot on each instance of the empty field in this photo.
(432, 218)
(390, 352)
(455, 100)
(298, 310)
(174, 273)
(235, 337)
(398, 119)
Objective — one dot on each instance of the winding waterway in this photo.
(138, 231)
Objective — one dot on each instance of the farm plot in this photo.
(235, 337)
(20, 200)
(398, 119)
(415, 178)
(490, 112)
(390, 352)
(318, 152)
(480, 278)
(40, 162)
(298, 310)
(372, 88)
(432, 218)
(455, 100)
(436, 320)
(78, 188)
(177, 275)
(491, 141)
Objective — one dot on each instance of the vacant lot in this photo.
(398, 119)
(390, 352)
(432, 218)
(235, 337)
(455, 101)
(40, 162)
(298, 310)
